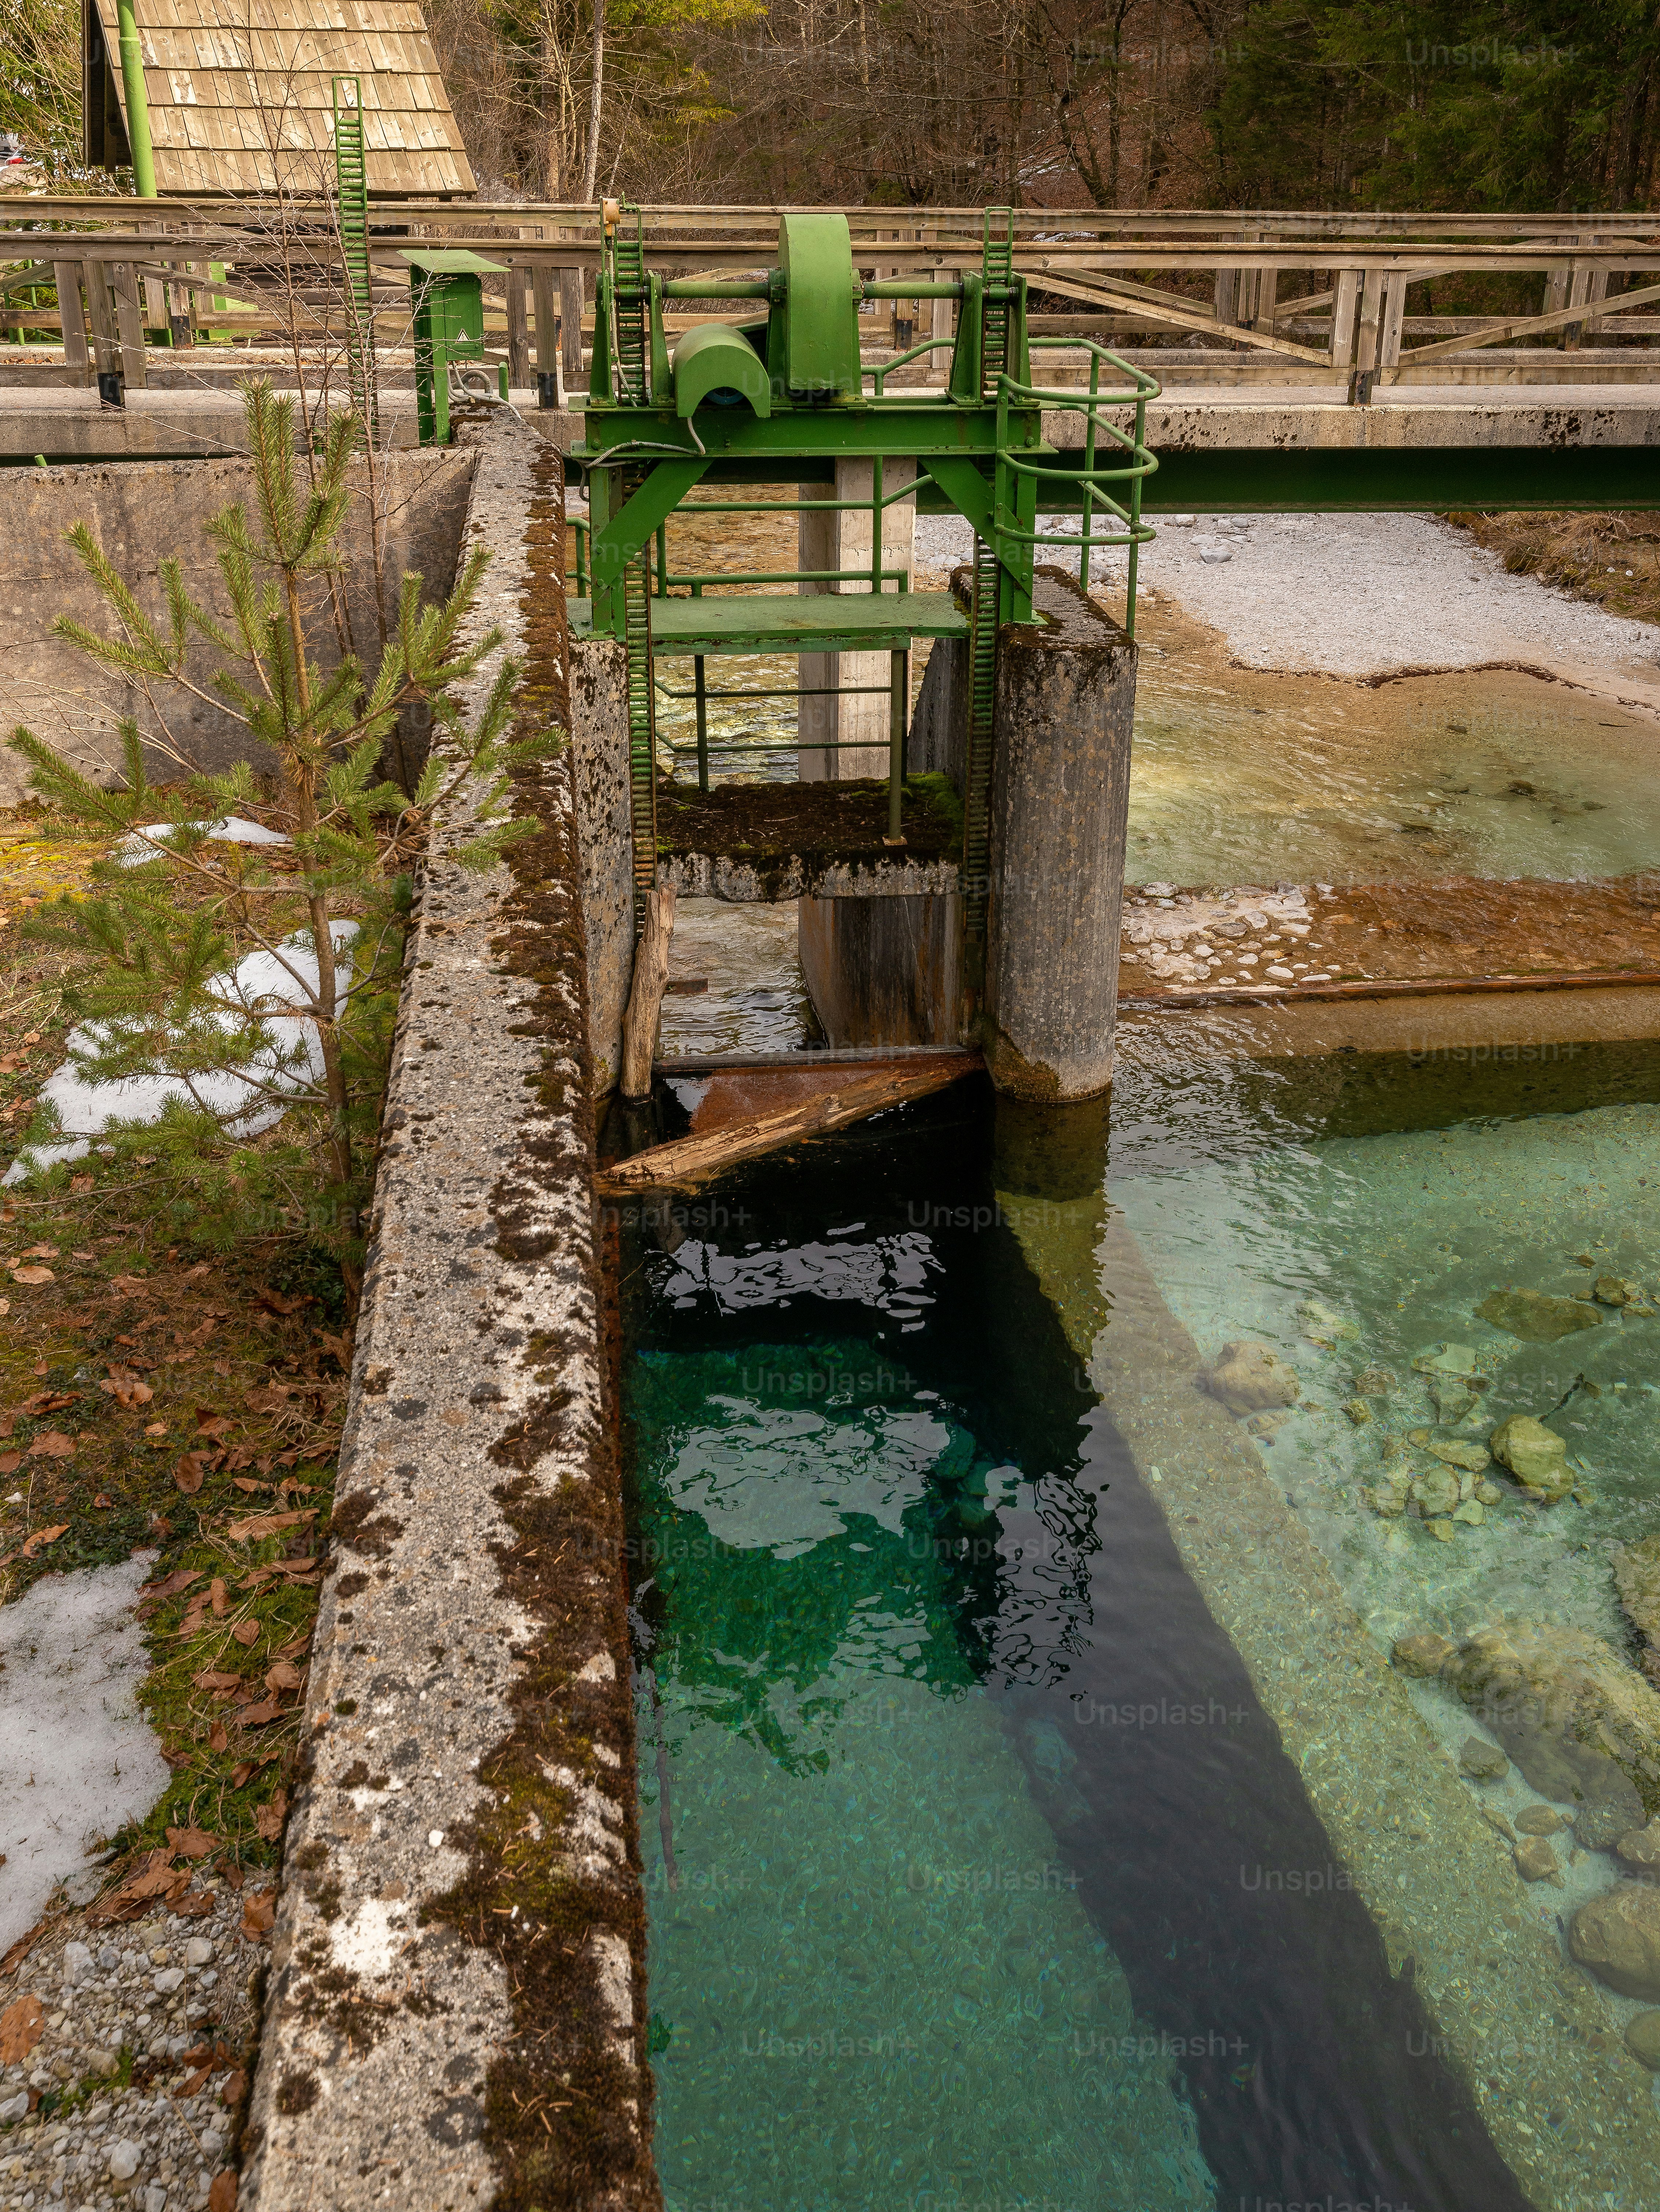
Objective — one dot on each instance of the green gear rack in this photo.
(779, 399)
(352, 195)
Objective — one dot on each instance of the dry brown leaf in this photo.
(190, 1471)
(246, 1633)
(211, 1678)
(259, 1912)
(279, 1304)
(39, 1252)
(130, 1286)
(11, 1461)
(216, 1597)
(267, 1818)
(245, 1483)
(210, 1424)
(180, 1579)
(21, 2026)
(221, 2195)
(218, 1741)
(32, 1275)
(267, 1524)
(53, 1444)
(191, 1843)
(42, 1537)
(259, 1716)
(240, 1772)
(189, 2087)
(283, 1677)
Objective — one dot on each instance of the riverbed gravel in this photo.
(134, 2053)
(1358, 595)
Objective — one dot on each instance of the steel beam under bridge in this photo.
(1266, 480)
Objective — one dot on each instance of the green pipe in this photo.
(138, 114)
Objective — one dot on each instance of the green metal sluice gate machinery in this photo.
(781, 399)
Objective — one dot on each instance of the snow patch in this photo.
(233, 829)
(77, 1760)
(265, 984)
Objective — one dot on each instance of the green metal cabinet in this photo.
(446, 295)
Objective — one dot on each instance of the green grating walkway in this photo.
(793, 623)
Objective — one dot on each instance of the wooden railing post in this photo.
(518, 327)
(129, 322)
(570, 316)
(72, 319)
(1344, 297)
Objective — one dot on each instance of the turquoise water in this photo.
(951, 1789)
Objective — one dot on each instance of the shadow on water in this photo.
(1258, 1981)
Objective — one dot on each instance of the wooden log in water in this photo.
(693, 1160)
(651, 975)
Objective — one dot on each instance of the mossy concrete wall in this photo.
(456, 2009)
(144, 512)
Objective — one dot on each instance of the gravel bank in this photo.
(136, 2035)
(1361, 595)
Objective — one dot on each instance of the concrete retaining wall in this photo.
(456, 2009)
(142, 514)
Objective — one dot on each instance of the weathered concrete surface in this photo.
(884, 971)
(599, 748)
(196, 413)
(460, 1933)
(140, 515)
(719, 876)
(939, 726)
(1399, 417)
(1060, 799)
(830, 541)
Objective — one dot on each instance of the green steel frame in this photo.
(782, 399)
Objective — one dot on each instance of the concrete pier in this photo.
(1060, 799)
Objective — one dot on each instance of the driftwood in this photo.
(693, 1160)
(651, 975)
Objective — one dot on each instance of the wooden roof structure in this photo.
(240, 95)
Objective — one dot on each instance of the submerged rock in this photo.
(1481, 1760)
(1435, 1492)
(1636, 1578)
(1374, 1382)
(1322, 1326)
(1535, 1861)
(1534, 1455)
(1539, 1821)
(1389, 1494)
(1265, 1427)
(1488, 1493)
(1615, 1290)
(1601, 1825)
(1475, 1457)
(1639, 1850)
(1643, 2039)
(1617, 1935)
(1423, 1656)
(1472, 1514)
(1446, 1359)
(1248, 1377)
(1583, 1727)
(1452, 1400)
(1358, 1411)
(1535, 1318)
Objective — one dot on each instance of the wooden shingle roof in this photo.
(240, 93)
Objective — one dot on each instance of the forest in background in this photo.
(1041, 103)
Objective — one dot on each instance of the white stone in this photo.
(199, 1951)
(155, 2198)
(168, 1980)
(77, 1963)
(15, 2107)
(124, 2159)
(1215, 554)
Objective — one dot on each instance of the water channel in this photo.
(1031, 1815)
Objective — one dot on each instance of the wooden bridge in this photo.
(1274, 334)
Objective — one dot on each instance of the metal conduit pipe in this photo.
(138, 114)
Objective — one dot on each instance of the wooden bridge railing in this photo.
(1312, 291)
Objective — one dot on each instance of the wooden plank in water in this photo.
(698, 1158)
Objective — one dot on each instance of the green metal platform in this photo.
(820, 622)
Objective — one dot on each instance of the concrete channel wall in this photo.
(456, 2006)
(142, 514)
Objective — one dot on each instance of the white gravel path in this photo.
(1362, 595)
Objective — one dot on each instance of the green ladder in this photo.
(352, 189)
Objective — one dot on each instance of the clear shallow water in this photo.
(1239, 777)
(1252, 1191)
(949, 1921)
